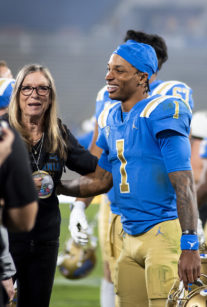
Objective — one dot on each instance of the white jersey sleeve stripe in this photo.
(164, 87)
(100, 94)
(3, 85)
(104, 114)
(152, 105)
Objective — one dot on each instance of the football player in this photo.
(109, 215)
(146, 156)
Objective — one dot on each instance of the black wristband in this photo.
(189, 232)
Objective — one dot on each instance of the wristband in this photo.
(189, 242)
(189, 232)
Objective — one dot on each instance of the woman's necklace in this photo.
(47, 183)
(36, 148)
(39, 147)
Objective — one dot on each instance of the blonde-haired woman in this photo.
(51, 146)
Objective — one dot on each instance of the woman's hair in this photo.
(55, 141)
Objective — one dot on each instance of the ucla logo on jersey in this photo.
(107, 131)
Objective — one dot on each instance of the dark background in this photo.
(74, 39)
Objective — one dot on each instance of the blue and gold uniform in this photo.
(133, 150)
(135, 145)
(112, 250)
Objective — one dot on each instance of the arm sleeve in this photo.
(79, 159)
(18, 186)
(176, 151)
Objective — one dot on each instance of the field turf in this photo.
(83, 292)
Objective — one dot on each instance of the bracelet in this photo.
(189, 242)
(189, 232)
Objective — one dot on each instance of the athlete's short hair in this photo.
(154, 40)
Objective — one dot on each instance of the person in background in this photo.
(199, 162)
(5, 71)
(6, 140)
(51, 147)
(6, 87)
(18, 205)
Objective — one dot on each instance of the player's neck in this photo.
(128, 104)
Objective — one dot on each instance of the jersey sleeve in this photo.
(100, 101)
(79, 159)
(169, 113)
(176, 151)
(104, 163)
(174, 88)
(181, 90)
(101, 140)
(18, 187)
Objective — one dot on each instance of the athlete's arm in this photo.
(90, 185)
(96, 151)
(189, 263)
(175, 149)
(183, 184)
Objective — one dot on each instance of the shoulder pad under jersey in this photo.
(104, 114)
(170, 104)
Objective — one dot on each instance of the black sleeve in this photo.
(79, 159)
(16, 177)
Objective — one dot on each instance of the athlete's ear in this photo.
(142, 78)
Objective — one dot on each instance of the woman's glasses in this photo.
(40, 90)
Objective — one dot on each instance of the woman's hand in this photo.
(38, 183)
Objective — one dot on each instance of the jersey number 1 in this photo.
(124, 185)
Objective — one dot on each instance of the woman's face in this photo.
(34, 104)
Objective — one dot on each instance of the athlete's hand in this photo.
(189, 267)
(78, 224)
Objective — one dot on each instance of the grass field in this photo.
(83, 292)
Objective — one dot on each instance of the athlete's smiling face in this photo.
(122, 78)
(34, 104)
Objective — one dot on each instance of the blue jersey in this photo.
(174, 88)
(142, 187)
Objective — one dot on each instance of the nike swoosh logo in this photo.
(134, 127)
